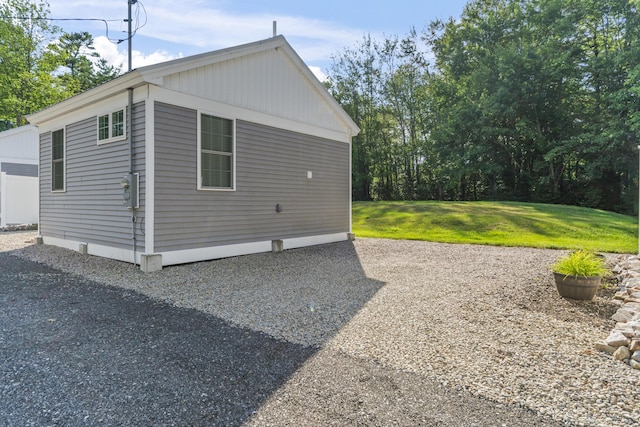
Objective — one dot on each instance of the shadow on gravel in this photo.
(73, 352)
(76, 353)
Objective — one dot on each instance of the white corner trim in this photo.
(3, 199)
(150, 176)
(349, 190)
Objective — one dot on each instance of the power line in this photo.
(138, 26)
(106, 25)
(105, 21)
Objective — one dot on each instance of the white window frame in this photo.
(109, 115)
(64, 161)
(233, 152)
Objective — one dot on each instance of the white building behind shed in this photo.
(19, 150)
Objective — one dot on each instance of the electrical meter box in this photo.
(130, 184)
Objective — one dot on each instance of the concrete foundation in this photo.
(277, 246)
(150, 262)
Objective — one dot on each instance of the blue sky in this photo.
(316, 30)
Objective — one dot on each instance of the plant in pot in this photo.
(579, 274)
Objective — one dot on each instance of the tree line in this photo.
(530, 100)
(40, 64)
(524, 100)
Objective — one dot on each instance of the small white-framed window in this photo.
(111, 126)
(216, 153)
(58, 150)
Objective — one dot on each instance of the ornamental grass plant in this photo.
(581, 263)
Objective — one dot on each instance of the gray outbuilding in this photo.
(232, 152)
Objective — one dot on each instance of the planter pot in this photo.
(577, 287)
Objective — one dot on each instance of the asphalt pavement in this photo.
(73, 352)
(77, 353)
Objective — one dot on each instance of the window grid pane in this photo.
(111, 125)
(117, 123)
(216, 170)
(57, 160)
(103, 127)
(58, 175)
(57, 144)
(216, 139)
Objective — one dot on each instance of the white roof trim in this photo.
(97, 94)
(18, 130)
(153, 74)
(208, 58)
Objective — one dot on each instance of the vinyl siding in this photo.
(254, 82)
(91, 210)
(271, 168)
(19, 169)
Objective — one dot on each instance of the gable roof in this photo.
(157, 73)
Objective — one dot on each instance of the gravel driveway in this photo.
(371, 332)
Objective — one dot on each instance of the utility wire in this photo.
(138, 26)
(105, 21)
(106, 25)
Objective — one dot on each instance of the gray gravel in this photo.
(77, 353)
(400, 328)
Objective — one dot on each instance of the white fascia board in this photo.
(227, 110)
(155, 73)
(321, 90)
(117, 100)
(19, 130)
(84, 99)
(152, 74)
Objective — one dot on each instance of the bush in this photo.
(581, 263)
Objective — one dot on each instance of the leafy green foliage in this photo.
(499, 224)
(37, 68)
(26, 80)
(531, 100)
(581, 263)
(76, 53)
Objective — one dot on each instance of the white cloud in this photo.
(317, 71)
(200, 24)
(212, 29)
(140, 59)
(110, 52)
(115, 57)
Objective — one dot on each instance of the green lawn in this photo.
(498, 223)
